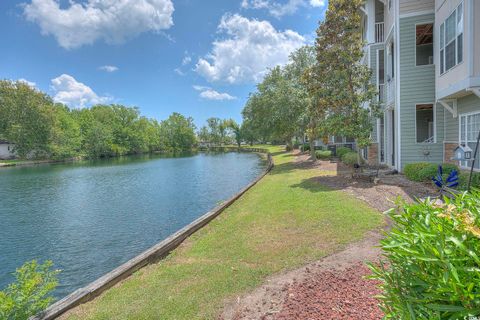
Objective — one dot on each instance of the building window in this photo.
(381, 135)
(424, 44)
(424, 121)
(451, 40)
(469, 128)
(390, 62)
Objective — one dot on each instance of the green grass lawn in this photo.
(282, 223)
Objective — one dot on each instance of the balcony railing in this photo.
(379, 32)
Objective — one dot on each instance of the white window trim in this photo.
(445, 44)
(434, 123)
(415, 45)
(460, 135)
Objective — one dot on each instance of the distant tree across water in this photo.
(41, 128)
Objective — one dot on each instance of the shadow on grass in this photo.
(312, 185)
(283, 168)
(281, 152)
(334, 183)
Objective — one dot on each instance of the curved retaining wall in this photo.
(149, 256)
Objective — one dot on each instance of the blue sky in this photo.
(199, 58)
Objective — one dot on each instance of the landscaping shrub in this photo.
(424, 171)
(463, 180)
(341, 151)
(412, 170)
(350, 158)
(323, 154)
(432, 267)
(29, 294)
(305, 147)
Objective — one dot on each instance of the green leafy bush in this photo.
(350, 158)
(323, 154)
(424, 171)
(305, 147)
(463, 180)
(432, 267)
(412, 170)
(29, 294)
(341, 151)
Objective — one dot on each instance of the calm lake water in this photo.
(90, 217)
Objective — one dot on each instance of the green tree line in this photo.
(41, 128)
(220, 132)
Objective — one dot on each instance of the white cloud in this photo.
(28, 83)
(210, 94)
(251, 47)
(85, 22)
(186, 60)
(73, 93)
(317, 3)
(280, 9)
(108, 68)
(179, 72)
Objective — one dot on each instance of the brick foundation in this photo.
(373, 154)
(448, 153)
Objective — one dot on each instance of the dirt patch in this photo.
(333, 294)
(284, 294)
(334, 287)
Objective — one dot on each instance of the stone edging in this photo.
(149, 256)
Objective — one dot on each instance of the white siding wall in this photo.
(5, 153)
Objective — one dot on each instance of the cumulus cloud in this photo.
(73, 93)
(28, 83)
(108, 68)
(114, 21)
(249, 49)
(317, 3)
(210, 94)
(280, 9)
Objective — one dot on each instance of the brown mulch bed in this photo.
(333, 294)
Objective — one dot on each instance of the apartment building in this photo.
(425, 61)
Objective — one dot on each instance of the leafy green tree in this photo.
(98, 140)
(247, 132)
(29, 294)
(66, 137)
(26, 118)
(347, 87)
(302, 62)
(178, 133)
(236, 130)
(214, 128)
(204, 135)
